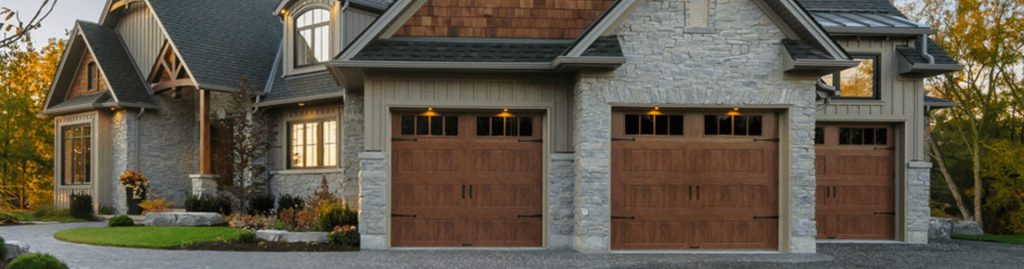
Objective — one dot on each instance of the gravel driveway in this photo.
(955, 254)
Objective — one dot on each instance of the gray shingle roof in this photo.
(243, 42)
(936, 102)
(82, 102)
(851, 6)
(463, 50)
(913, 55)
(870, 17)
(802, 50)
(301, 86)
(605, 46)
(111, 56)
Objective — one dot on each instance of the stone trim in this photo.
(373, 201)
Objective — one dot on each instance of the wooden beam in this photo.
(204, 133)
(118, 5)
(172, 84)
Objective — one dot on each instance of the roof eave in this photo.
(304, 99)
(818, 67)
(92, 106)
(923, 70)
(879, 31)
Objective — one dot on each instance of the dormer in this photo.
(317, 30)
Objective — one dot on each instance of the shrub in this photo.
(299, 220)
(251, 222)
(51, 214)
(261, 205)
(208, 203)
(7, 218)
(247, 237)
(155, 206)
(290, 202)
(121, 221)
(81, 206)
(345, 236)
(336, 215)
(106, 210)
(36, 261)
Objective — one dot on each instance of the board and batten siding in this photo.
(142, 35)
(901, 100)
(384, 92)
(354, 22)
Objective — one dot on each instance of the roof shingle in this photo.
(463, 50)
(125, 81)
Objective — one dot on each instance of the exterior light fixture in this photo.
(302, 104)
(505, 114)
(734, 113)
(429, 113)
(656, 111)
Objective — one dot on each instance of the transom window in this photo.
(312, 37)
(655, 125)
(504, 126)
(863, 136)
(429, 125)
(77, 155)
(730, 125)
(313, 144)
(860, 82)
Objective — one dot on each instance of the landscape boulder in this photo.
(291, 237)
(940, 229)
(15, 249)
(966, 227)
(183, 219)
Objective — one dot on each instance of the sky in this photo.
(63, 17)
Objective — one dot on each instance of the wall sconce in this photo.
(429, 113)
(302, 104)
(656, 111)
(734, 113)
(505, 114)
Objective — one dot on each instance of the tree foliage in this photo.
(980, 140)
(15, 26)
(250, 142)
(26, 141)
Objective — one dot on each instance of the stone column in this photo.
(124, 141)
(802, 184)
(917, 212)
(352, 135)
(373, 200)
(592, 195)
(560, 199)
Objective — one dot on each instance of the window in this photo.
(726, 125)
(819, 136)
(77, 155)
(863, 136)
(860, 82)
(91, 73)
(313, 144)
(504, 126)
(663, 125)
(312, 37)
(429, 126)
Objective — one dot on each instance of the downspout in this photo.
(924, 49)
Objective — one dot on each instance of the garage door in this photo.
(856, 182)
(466, 180)
(695, 180)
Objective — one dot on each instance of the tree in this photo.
(250, 135)
(26, 141)
(14, 28)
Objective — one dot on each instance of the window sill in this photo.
(307, 171)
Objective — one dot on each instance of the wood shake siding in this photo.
(81, 84)
(542, 19)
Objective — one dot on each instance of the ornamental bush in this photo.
(261, 205)
(3, 249)
(36, 261)
(121, 221)
(209, 204)
(290, 202)
(81, 206)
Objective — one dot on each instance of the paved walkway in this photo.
(956, 254)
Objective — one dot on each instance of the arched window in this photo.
(312, 37)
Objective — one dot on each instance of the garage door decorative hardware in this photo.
(830, 191)
(766, 217)
(767, 140)
(402, 139)
(533, 216)
(531, 140)
(886, 213)
(694, 195)
(624, 218)
(464, 192)
(403, 216)
(623, 139)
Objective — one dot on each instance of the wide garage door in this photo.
(695, 180)
(466, 180)
(856, 182)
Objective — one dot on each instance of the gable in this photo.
(80, 84)
(538, 19)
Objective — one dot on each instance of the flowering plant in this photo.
(135, 182)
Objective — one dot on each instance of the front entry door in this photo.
(466, 180)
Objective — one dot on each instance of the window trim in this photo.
(877, 92)
(320, 145)
(297, 36)
(63, 149)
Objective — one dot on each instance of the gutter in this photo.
(310, 98)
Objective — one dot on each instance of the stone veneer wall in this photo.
(734, 63)
(373, 200)
(352, 139)
(123, 128)
(560, 200)
(918, 213)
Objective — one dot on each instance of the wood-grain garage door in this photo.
(856, 182)
(695, 180)
(466, 180)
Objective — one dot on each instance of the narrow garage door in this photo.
(695, 180)
(856, 182)
(466, 180)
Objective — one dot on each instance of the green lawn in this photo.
(1007, 239)
(148, 237)
(45, 215)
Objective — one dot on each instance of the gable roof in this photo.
(377, 6)
(127, 87)
(810, 49)
(242, 45)
(863, 18)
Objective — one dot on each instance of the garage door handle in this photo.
(886, 213)
(531, 140)
(533, 216)
(766, 217)
(767, 140)
(623, 139)
(402, 139)
(623, 218)
(403, 216)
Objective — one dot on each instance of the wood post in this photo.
(205, 144)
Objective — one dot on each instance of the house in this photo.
(597, 125)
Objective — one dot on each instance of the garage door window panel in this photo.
(440, 126)
(653, 125)
(727, 125)
(504, 126)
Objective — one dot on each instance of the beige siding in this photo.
(142, 36)
(353, 23)
(901, 102)
(386, 92)
(100, 160)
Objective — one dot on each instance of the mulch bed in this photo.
(269, 247)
